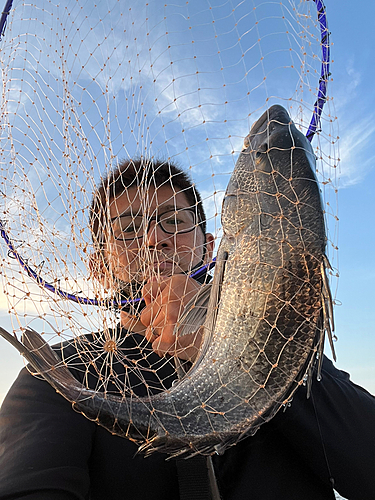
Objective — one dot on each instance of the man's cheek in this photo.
(129, 260)
(188, 255)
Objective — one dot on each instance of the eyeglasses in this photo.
(129, 227)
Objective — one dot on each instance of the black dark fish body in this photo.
(267, 312)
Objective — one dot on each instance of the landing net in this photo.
(87, 87)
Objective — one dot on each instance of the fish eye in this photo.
(263, 148)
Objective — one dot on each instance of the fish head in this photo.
(274, 178)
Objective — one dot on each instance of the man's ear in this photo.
(210, 244)
(99, 269)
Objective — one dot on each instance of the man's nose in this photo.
(156, 236)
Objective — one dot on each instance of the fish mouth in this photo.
(274, 118)
(276, 114)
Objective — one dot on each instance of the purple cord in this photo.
(69, 296)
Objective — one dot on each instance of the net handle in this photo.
(324, 72)
(4, 16)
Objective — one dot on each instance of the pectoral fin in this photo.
(195, 312)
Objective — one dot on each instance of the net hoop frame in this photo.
(314, 127)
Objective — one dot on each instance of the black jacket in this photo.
(48, 451)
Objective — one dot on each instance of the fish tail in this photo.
(45, 362)
(109, 411)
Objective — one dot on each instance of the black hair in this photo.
(134, 173)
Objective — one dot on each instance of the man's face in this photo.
(153, 252)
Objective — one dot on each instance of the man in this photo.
(157, 236)
(145, 244)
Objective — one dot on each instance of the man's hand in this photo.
(165, 301)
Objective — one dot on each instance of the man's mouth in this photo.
(164, 265)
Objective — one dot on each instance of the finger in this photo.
(166, 341)
(154, 332)
(161, 307)
(163, 318)
(152, 289)
(150, 334)
(161, 347)
(186, 347)
(131, 323)
(150, 312)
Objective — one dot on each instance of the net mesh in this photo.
(86, 89)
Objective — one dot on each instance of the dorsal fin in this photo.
(327, 302)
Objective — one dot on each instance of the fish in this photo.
(264, 316)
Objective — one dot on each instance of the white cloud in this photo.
(346, 89)
(357, 139)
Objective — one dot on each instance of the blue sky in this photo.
(352, 90)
